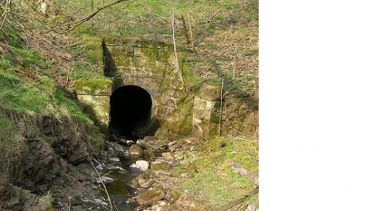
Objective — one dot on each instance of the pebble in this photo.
(252, 207)
(99, 167)
(114, 159)
(100, 202)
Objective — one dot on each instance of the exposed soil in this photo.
(52, 170)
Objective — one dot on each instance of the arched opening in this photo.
(130, 112)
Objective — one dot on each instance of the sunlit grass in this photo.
(212, 179)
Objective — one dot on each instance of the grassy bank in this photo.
(211, 177)
(28, 88)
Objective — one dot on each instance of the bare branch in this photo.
(102, 183)
(87, 18)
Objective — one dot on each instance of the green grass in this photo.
(213, 181)
(43, 97)
(87, 57)
(27, 88)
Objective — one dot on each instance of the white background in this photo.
(317, 108)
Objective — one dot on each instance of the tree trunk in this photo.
(188, 31)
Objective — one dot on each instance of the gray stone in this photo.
(252, 207)
(99, 167)
(140, 164)
(100, 202)
(145, 183)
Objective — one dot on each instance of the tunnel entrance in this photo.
(130, 112)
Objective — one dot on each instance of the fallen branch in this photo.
(188, 32)
(102, 183)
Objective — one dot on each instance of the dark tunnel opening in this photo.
(131, 112)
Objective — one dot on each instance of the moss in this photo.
(191, 79)
(180, 122)
(93, 86)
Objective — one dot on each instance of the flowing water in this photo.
(120, 189)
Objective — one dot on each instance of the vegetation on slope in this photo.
(27, 87)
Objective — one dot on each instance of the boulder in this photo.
(150, 197)
(135, 150)
(173, 195)
(143, 183)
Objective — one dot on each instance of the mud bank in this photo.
(50, 169)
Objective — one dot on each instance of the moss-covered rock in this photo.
(93, 86)
(149, 197)
(95, 94)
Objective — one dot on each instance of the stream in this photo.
(120, 189)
